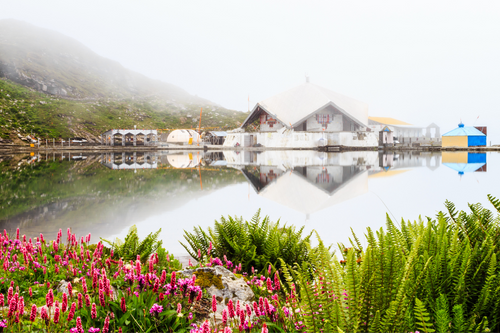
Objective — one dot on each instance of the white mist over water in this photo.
(408, 193)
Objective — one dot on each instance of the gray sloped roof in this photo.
(297, 104)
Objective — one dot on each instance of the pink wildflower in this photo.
(33, 312)
(93, 311)
(80, 301)
(224, 317)
(102, 301)
(56, 315)
(43, 313)
(277, 281)
(72, 310)
(105, 329)
(205, 327)
(264, 328)
(249, 309)
(172, 280)
(242, 316)
(84, 285)
(230, 308)
(214, 304)
(79, 326)
(20, 305)
(64, 305)
(123, 305)
(163, 277)
(49, 298)
(87, 300)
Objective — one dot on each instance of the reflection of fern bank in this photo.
(435, 275)
(256, 243)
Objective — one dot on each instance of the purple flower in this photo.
(3, 323)
(94, 330)
(155, 309)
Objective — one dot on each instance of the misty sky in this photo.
(428, 61)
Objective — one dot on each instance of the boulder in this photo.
(222, 283)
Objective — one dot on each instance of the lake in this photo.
(105, 194)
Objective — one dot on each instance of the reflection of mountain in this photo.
(89, 197)
(309, 189)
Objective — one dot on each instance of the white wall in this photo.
(292, 139)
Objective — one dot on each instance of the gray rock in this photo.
(62, 287)
(234, 288)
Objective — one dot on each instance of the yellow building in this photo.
(464, 137)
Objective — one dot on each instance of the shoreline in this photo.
(102, 148)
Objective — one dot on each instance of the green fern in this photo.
(422, 317)
(132, 247)
(256, 243)
(443, 319)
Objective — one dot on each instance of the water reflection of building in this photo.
(388, 162)
(306, 181)
(130, 161)
(464, 161)
(309, 181)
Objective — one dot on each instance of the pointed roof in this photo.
(464, 131)
(312, 197)
(293, 106)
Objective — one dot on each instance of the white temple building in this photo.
(307, 116)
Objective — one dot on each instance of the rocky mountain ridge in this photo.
(53, 63)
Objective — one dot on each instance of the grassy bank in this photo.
(25, 111)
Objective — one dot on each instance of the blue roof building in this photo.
(464, 137)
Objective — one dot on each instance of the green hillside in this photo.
(55, 87)
(24, 111)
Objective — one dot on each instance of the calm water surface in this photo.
(105, 194)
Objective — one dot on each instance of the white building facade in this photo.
(307, 116)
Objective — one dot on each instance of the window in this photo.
(263, 118)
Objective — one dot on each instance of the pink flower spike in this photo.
(105, 328)
(214, 304)
(33, 312)
(93, 311)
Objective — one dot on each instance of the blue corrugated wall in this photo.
(476, 141)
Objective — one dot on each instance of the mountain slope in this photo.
(57, 64)
(24, 111)
(54, 86)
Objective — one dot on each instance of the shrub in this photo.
(440, 274)
(257, 243)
